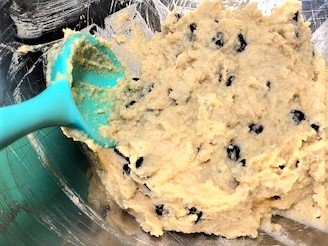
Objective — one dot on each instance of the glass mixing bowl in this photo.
(45, 177)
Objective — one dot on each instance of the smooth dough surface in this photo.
(225, 123)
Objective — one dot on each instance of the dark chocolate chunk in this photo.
(126, 169)
(135, 79)
(220, 77)
(150, 87)
(121, 155)
(297, 116)
(139, 162)
(130, 104)
(315, 127)
(242, 43)
(218, 40)
(93, 30)
(192, 210)
(268, 84)
(230, 79)
(282, 166)
(233, 152)
(297, 34)
(276, 197)
(297, 163)
(295, 19)
(178, 16)
(243, 162)
(199, 214)
(296, 15)
(256, 128)
(159, 209)
(193, 27)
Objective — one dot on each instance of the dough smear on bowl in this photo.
(225, 124)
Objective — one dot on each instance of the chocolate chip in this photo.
(243, 162)
(295, 19)
(297, 163)
(159, 209)
(256, 128)
(149, 87)
(315, 127)
(268, 84)
(199, 214)
(135, 79)
(218, 40)
(233, 152)
(178, 16)
(220, 77)
(121, 155)
(192, 210)
(191, 36)
(230, 79)
(93, 30)
(199, 147)
(193, 27)
(297, 34)
(275, 197)
(126, 169)
(297, 116)
(139, 162)
(130, 104)
(242, 43)
(282, 166)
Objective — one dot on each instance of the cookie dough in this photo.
(225, 123)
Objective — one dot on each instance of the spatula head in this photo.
(92, 69)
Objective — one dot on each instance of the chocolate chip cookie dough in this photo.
(225, 123)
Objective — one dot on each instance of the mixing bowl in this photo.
(45, 178)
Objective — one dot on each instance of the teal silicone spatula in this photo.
(84, 65)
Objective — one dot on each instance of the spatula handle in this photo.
(53, 107)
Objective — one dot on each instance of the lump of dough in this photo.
(225, 122)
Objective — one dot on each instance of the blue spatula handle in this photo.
(53, 107)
